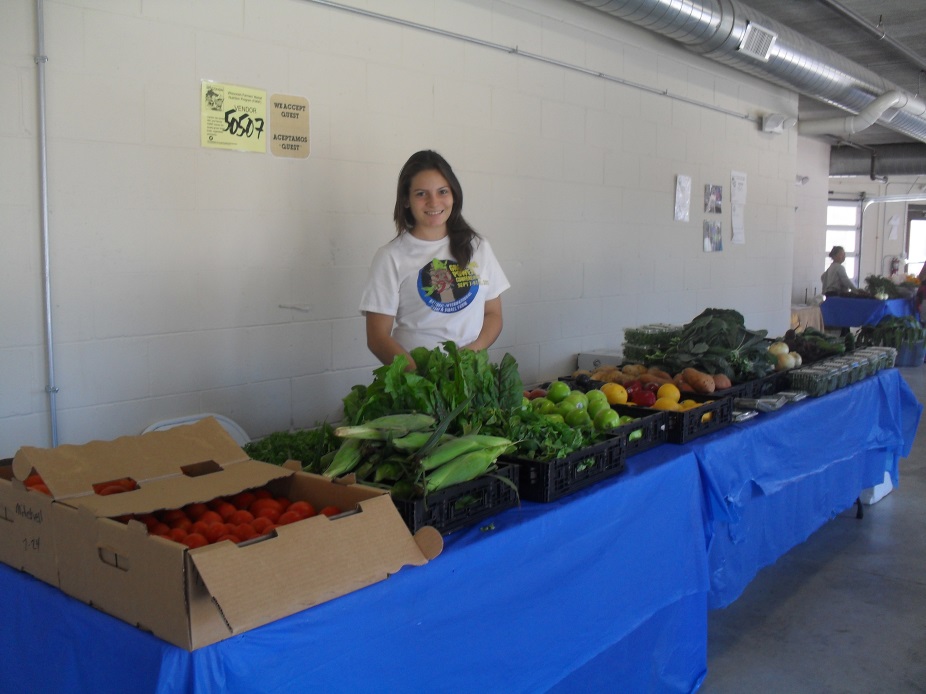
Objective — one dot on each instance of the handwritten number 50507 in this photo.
(244, 126)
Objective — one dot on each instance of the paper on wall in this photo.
(894, 224)
(682, 198)
(737, 205)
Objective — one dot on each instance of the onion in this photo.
(778, 348)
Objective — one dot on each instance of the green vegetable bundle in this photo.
(305, 445)
(814, 345)
(892, 331)
(717, 341)
(445, 378)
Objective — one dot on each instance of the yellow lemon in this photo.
(615, 393)
(663, 403)
(670, 391)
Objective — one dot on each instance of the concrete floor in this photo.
(843, 612)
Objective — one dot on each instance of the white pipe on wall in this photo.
(40, 60)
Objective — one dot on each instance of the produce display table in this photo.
(842, 312)
(607, 587)
(773, 480)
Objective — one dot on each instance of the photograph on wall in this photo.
(713, 242)
(713, 198)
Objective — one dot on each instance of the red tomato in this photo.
(243, 499)
(289, 517)
(149, 519)
(215, 531)
(183, 523)
(110, 489)
(172, 514)
(330, 511)
(261, 523)
(226, 510)
(230, 538)
(245, 531)
(194, 540)
(210, 517)
(33, 479)
(260, 504)
(273, 514)
(198, 528)
(263, 493)
(196, 510)
(303, 508)
(40, 487)
(159, 528)
(283, 502)
(239, 517)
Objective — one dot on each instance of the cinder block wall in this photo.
(189, 280)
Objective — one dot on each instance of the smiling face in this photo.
(430, 201)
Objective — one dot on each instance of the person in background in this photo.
(438, 279)
(835, 280)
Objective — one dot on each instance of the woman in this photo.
(835, 280)
(437, 280)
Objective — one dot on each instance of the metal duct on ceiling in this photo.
(716, 29)
(885, 160)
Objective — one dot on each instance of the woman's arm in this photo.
(491, 325)
(380, 340)
(844, 280)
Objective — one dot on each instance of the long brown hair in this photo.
(461, 234)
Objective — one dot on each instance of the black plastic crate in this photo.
(690, 424)
(737, 390)
(653, 426)
(767, 385)
(545, 481)
(464, 504)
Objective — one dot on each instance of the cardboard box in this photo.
(195, 597)
(27, 541)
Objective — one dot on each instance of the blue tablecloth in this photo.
(841, 312)
(605, 588)
(773, 480)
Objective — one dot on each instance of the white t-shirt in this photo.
(432, 298)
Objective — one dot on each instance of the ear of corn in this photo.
(463, 468)
(485, 440)
(415, 440)
(394, 425)
(446, 452)
(389, 470)
(345, 459)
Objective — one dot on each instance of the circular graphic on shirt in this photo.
(445, 287)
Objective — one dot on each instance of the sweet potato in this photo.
(701, 382)
(634, 370)
(682, 384)
(659, 372)
(721, 382)
(653, 378)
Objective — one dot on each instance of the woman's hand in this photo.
(491, 326)
(381, 342)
